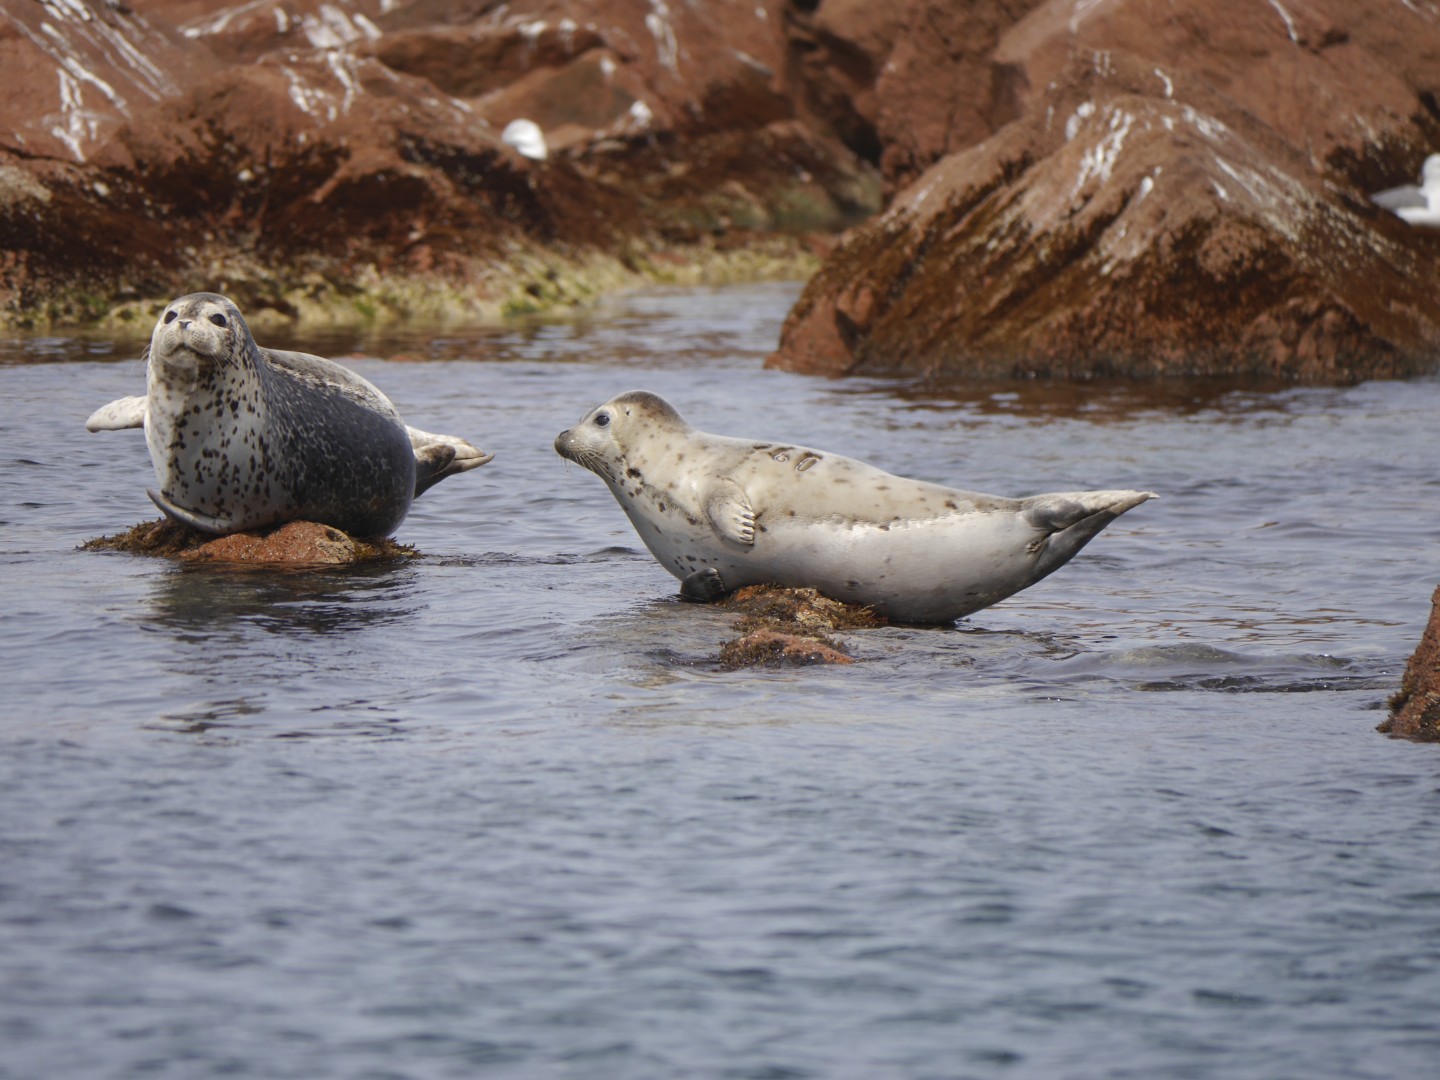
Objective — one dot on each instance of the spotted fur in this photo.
(720, 513)
(243, 437)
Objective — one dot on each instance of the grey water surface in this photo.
(498, 812)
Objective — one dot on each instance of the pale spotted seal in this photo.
(244, 437)
(720, 512)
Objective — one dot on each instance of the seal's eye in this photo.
(219, 320)
(602, 419)
(169, 317)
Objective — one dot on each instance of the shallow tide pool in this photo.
(497, 811)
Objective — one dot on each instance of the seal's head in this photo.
(199, 335)
(609, 435)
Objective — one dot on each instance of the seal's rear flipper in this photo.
(203, 522)
(127, 412)
(1070, 521)
(439, 456)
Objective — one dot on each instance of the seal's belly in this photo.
(922, 571)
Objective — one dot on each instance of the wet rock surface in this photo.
(1122, 187)
(1415, 709)
(325, 160)
(294, 544)
(790, 626)
(1135, 188)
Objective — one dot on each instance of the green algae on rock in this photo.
(367, 179)
(317, 293)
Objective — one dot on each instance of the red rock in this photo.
(71, 79)
(469, 61)
(1141, 186)
(1182, 191)
(1415, 710)
(945, 87)
(300, 543)
(836, 53)
(589, 98)
(280, 143)
(762, 647)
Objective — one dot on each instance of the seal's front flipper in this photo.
(703, 586)
(203, 522)
(730, 512)
(439, 456)
(127, 412)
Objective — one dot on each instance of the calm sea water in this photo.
(497, 812)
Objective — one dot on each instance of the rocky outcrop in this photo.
(1134, 187)
(906, 83)
(1415, 709)
(1074, 187)
(343, 151)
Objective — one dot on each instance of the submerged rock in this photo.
(1139, 189)
(297, 543)
(1415, 708)
(760, 647)
(790, 626)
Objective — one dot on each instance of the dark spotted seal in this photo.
(243, 437)
(719, 513)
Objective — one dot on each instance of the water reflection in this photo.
(293, 652)
(197, 602)
(1098, 400)
(216, 717)
(204, 717)
(86, 344)
(1197, 666)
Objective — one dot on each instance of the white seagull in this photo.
(1417, 205)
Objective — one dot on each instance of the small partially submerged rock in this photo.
(774, 647)
(1415, 708)
(296, 543)
(790, 626)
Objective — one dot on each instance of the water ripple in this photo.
(498, 810)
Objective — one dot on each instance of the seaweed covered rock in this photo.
(295, 544)
(1415, 709)
(762, 646)
(790, 626)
